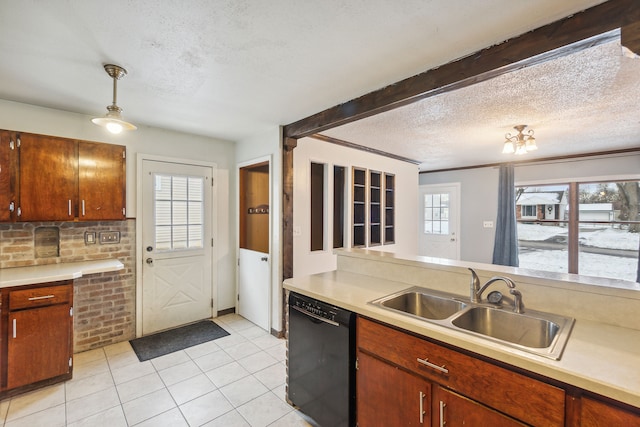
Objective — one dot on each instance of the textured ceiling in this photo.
(581, 103)
(234, 69)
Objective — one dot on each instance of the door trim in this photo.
(264, 159)
(140, 158)
(434, 187)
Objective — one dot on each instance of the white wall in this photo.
(148, 140)
(479, 187)
(267, 144)
(406, 210)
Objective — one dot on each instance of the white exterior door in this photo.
(177, 286)
(439, 221)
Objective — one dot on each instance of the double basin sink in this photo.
(534, 332)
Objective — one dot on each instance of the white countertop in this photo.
(600, 358)
(19, 276)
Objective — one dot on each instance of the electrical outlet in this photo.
(109, 237)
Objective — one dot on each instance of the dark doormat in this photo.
(166, 342)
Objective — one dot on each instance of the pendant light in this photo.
(113, 119)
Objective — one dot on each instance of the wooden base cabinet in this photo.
(389, 396)
(452, 409)
(465, 389)
(38, 335)
(402, 379)
(594, 413)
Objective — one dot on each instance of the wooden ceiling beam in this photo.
(557, 39)
(630, 37)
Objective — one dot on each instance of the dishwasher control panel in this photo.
(317, 308)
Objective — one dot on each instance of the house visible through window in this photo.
(601, 240)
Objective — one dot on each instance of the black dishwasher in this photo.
(322, 361)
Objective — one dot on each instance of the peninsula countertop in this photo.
(18, 276)
(598, 357)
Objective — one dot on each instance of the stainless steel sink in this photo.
(417, 302)
(544, 334)
(507, 326)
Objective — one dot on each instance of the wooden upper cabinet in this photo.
(48, 178)
(8, 156)
(101, 181)
(63, 179)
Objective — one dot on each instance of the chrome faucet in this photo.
(476, 290)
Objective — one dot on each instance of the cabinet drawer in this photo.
(519, 396)
(40, 296)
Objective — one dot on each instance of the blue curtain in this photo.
(505, 248)
(638, 272)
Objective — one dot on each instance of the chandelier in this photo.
(520, 143)
(113, 120)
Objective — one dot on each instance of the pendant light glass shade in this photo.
(113, 120)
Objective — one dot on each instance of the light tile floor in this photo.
(237, 380)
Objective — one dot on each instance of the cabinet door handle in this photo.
(422, 412)
(14, 328)
(442, 406)
(69, 207)
(426, 362)
(82, 207)
(42, 297)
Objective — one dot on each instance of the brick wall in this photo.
(104, 303)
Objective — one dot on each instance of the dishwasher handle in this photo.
(322, 319)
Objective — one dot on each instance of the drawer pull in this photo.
(42, 297)
(426, 362)
(422, 411)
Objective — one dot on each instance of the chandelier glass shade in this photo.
(520, 143)
(113, 120)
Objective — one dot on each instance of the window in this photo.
(179, 207)
(339, 181)
(317, 206)
(596, 232)
(436, 213)
(529, 211)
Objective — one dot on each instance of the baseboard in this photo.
(226, 311)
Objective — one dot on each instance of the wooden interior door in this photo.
(39, 344)
(101, 181)
(48, 178)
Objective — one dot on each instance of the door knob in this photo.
(149, 248)
(149, 261)
(264, 258)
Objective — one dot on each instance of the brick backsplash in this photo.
(104, 303)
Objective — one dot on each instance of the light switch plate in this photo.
(107, 237)
(487, 224)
